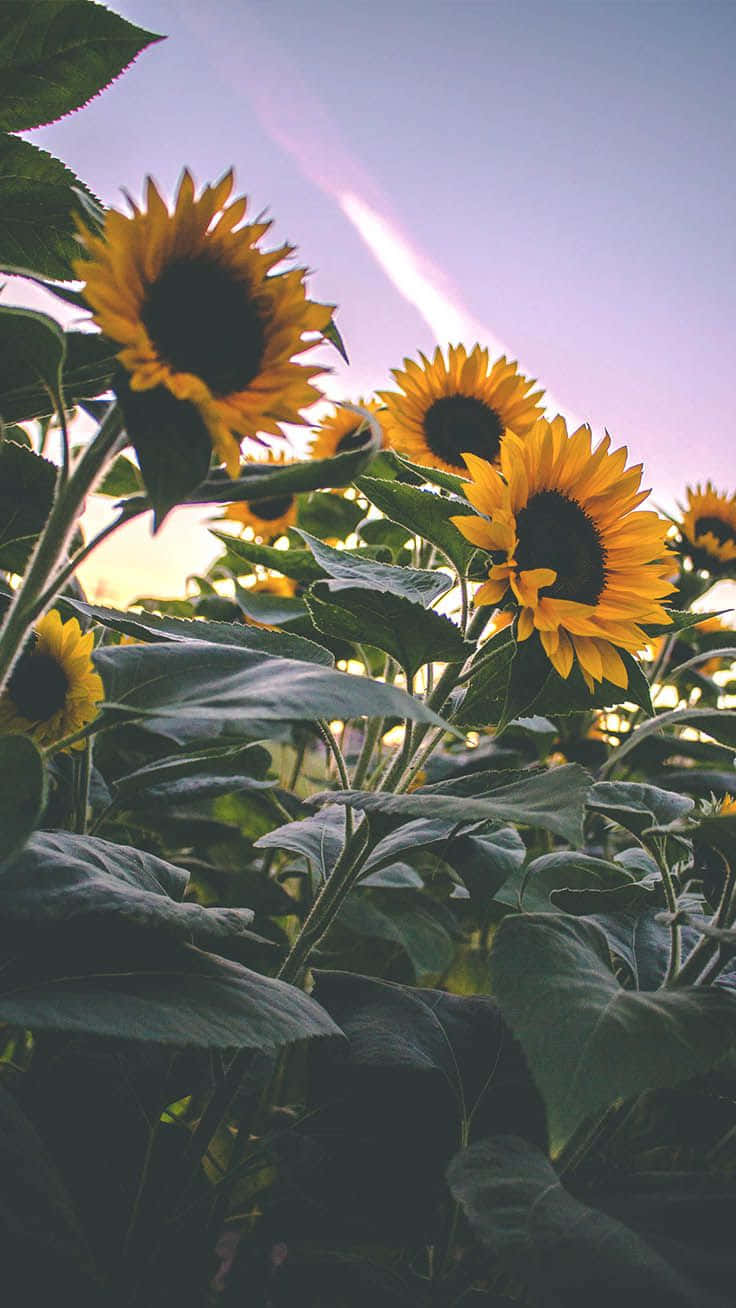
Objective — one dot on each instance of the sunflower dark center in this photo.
(38, 686)
(352, 440)
(202, 320)
(267, 510)
(554, 532)
(723, 531)
(458, 424)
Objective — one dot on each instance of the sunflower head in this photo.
(581, 567)
(444, 409)
(54, 690)
(343, 430)
(197, 308)
(708, 530)
(269, 518)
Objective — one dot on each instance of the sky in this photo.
(554, 180)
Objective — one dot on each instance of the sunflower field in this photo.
(368, 908)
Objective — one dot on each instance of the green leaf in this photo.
(319, 839)
(680, 620)
(64, 881)
(637, 806)
(719, 723)
(573, 882)
(22, 792)
(276, 610)
(487, 690)
(44, 1247)
(202, 775)
(535, 684)
(411, 921)
(408, 632)
(171, 441)
(424, 513)
(332, 334)
(567, 1253)
(447, 480)
(120, 480)
(167, 993)
(299, 564)
(590, 1043)
(87, 372)
(27, 483)
(37, 196)
(31, 344)
(412, 583)
(55, 55)
(226, 691)
(329, 516)
(553, 800)
(152, 627)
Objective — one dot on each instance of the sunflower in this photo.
(267, 518)
(727, 807)
(343, 430)
(193, 302)
(708, 529)
(54, 689)
(444, 409)
(583, 567)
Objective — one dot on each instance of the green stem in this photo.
(83, 768)
(52, 542)
(327, 905)
(372, 734)
(342, 771)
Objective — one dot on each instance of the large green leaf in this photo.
(637, 806)
(589, 1042)
(56, 54)
(299, 564)
(319, 838)
(33, 344)
(415, 584)
(573, 882)
(568, 1254)
(201, 775)
(222, 690)
(164, 992)
(22, 792)
(534, 685)
(408, 632)
(37, 196)
(485, 696)
(87, 372)
(422, 929)
(43, 1246)
(151, 627)
(27, 484)
(61, 880)
(424, 513)
(553, 800)
(171, 440)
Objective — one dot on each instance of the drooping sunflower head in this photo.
(343, 430)
(54, 690)
(446, 409)
(197, 309)
(581, 566)
(269, 518)
(708, 530)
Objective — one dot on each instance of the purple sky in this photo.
(555, 179)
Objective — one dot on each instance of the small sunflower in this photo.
(585, 569)
(343, 430)
(270, 518)
(197, 309)
(445, 409)
(708, 529)
(54, 689)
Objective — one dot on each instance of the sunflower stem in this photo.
(83, 773)
(69, 501)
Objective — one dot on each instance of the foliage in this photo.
(351, 952)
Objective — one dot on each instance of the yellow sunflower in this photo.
(197, 309)
(54, 689)
(584, 568)
(708, 529)
(445, 409)
(267, 518)
(727, 806)
(343, 430)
